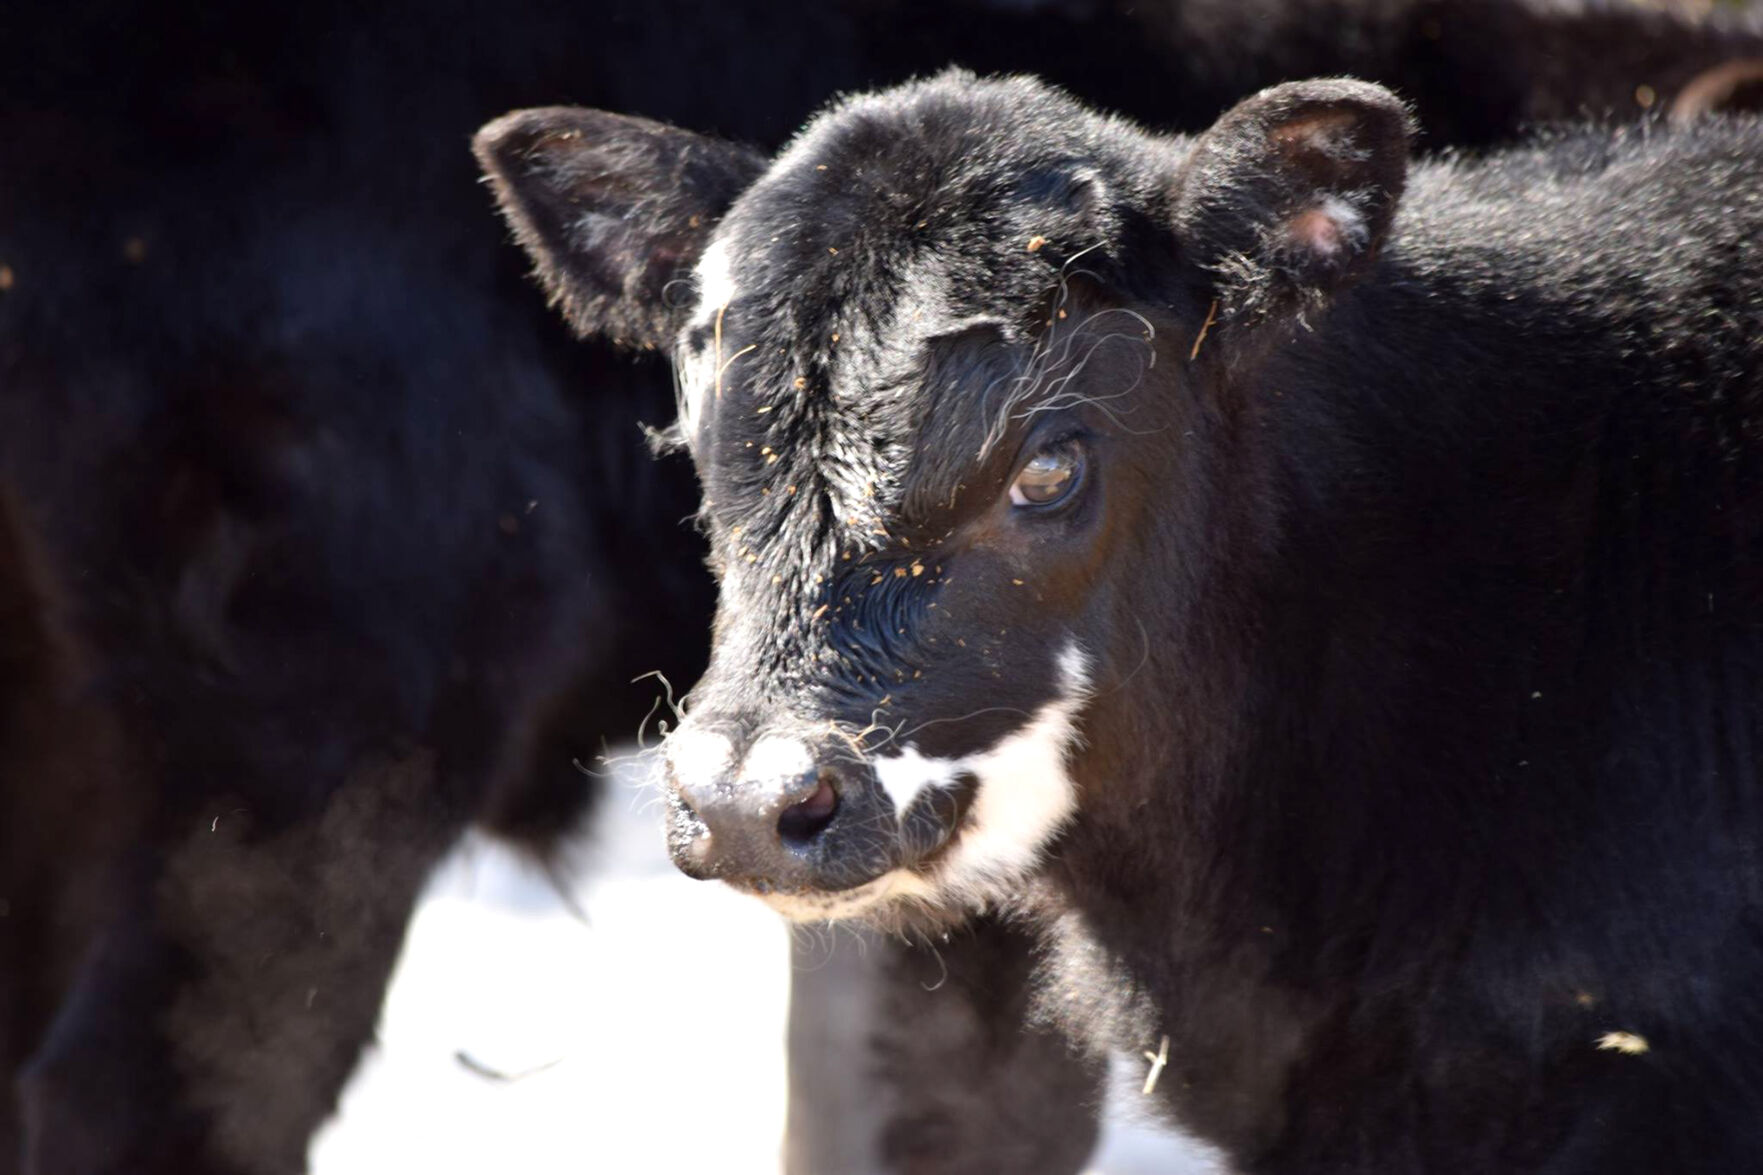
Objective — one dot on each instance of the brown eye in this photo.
(1048, 477)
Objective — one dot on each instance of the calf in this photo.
(1322, 594)
(315, 544)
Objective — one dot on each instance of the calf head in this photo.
(968, 375)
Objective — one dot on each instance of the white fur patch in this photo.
(777, 759)
(698, 371)
(1026, 795)
(697, 756)
(716, 285)
(905, 775)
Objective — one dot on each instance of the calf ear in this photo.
(1288, 197)
(612, 209)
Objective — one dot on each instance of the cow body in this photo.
(317, 543)
(1321, 593)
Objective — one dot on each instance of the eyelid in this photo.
(1034, 446)
(1070, 434)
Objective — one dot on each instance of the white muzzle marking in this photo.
(696, 757)
(1025, 796)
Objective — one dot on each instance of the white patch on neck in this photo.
(698, 370)
(1025, 796)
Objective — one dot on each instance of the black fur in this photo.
(1425, 608)
(318, 541)
(274, 404)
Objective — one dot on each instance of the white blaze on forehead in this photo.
(716, 285)
(698, 756)
(698, 369)
(1025, 796)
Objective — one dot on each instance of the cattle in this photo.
(1320, 593)
(318, 542)
(1471, 73)
(315, 549)
(318, 538)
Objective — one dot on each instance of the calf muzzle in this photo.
(782, 816)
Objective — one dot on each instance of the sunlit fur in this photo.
(1377, 506)
(1415, 571)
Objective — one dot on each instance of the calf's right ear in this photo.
(1287, 198)
(612, 209)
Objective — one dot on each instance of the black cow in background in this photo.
(316, 545)
(318, 538)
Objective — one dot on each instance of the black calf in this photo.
(316, 543)
(1322, 593)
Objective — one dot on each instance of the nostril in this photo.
(802, 822)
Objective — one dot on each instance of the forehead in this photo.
(954, 200)
(937, 220)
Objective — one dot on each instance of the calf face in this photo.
(952, 369)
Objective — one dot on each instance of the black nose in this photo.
(826, 828)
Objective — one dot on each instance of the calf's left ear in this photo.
(1287, 198)
(612, 210)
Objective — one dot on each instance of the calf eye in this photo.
(1049, 476)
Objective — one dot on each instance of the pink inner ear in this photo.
(1320, 230)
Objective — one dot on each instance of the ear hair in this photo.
(1287, 197)
(611, 209)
